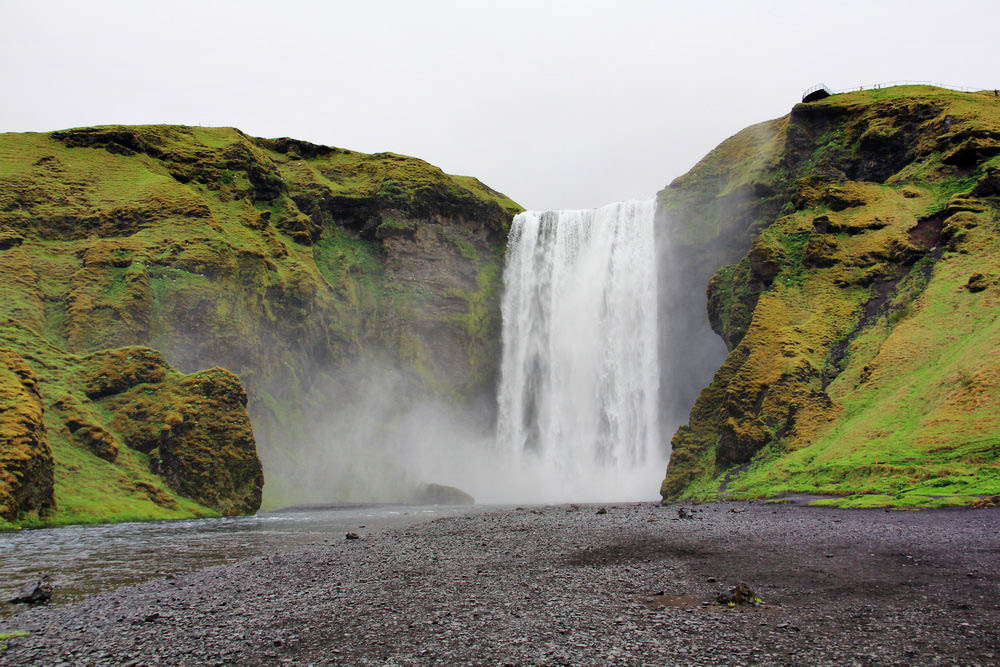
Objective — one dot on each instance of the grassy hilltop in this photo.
(276, 259)
(858, 295)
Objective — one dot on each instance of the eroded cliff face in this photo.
(279, 260)
(858, 302)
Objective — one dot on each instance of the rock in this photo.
(116, 370)
(983, 503)
(977, 283)
(35, 592)
(821, 251)
(10, 240)
(98, 441)
(601, 511)
(353, 536)
(439, 494)
(740, 594)
(765, 260)
(839, 198)
(201, 433)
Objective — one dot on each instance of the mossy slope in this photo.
(862, 318)
(277, 259)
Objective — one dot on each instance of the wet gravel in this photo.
(565, 585)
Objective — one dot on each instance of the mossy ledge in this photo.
(857, 287)
(277, 259)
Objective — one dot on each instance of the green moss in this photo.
(897, 502)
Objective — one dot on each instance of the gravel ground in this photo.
(566, 585)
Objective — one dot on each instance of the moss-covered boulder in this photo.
(119, 435)
(25, 457)
(860, 359)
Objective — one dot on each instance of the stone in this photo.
(740, 594)
(34, 592)
(977, 283)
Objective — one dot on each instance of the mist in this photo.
(382, 439)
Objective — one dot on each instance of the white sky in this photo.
(558, 104)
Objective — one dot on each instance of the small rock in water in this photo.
(682, 513)
(601, 511)
(35, 592)
(353, 536)
(439, 494)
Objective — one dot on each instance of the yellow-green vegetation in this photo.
(277, 259)
(862, 320)
(90, 426)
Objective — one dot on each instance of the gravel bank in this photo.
(557, 585)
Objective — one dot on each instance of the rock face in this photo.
(279, 260)
(855, 243)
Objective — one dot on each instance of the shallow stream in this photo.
(82, 560)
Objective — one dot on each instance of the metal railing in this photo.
(889, 84)
(818, 87)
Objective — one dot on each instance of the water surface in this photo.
(82, 560)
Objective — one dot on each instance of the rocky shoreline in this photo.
(568, 585)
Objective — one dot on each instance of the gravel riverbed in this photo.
(568, 585)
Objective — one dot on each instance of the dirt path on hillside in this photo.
(546, 585)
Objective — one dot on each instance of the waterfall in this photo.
(579, 392)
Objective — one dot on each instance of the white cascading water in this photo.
(579, 392)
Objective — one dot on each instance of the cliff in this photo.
(278, 260)
(856, 284)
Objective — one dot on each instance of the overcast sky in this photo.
(558, 104)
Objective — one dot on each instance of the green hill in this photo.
(276, 259)
(858, 295)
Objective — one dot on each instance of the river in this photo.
(83, 560)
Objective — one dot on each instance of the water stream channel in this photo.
(82, 560)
